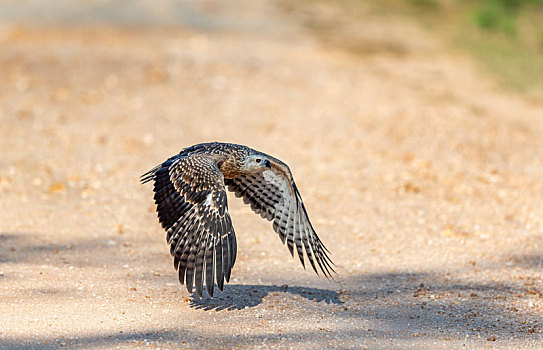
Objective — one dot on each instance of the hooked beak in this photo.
(267, 164)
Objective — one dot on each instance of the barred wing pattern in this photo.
(192, 207)
(273, 194)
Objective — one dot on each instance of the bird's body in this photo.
(190, 194)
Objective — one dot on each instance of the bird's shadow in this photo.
(237, 297)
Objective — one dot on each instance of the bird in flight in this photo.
(190, 195)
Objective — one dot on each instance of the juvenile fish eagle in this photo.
(190, 194)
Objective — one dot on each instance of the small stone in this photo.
(57, 188)
(419, 293)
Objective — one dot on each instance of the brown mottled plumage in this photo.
(190, 194)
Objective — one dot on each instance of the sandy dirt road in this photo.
(421, 177)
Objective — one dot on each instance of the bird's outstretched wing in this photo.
(272, 193)
(192, 207)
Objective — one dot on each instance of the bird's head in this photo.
(255, 162)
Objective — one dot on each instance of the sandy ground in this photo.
(421, 177)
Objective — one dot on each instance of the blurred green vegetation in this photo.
(505, 35)
(498, 15)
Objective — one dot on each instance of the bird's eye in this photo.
(258, 160)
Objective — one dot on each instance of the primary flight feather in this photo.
(190, 195)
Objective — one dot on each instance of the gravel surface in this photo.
(419, 174)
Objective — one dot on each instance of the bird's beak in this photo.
(267, 164)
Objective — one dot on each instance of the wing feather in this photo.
(199, 267)
(308, 249)
(285, 226)
(191, 202)
(298, 240)
(219, 260)
(272, 193)
(189, 273)
(210, 272)
(227, 257)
